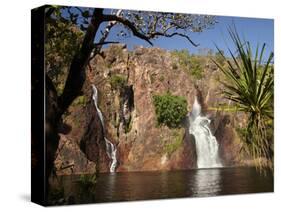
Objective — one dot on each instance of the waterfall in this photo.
(206, 144)
(110, 147)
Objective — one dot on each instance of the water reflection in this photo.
(207, 182)
(174, 184)
(111, 185)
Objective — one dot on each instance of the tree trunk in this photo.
(73, 86)
(77, 74)
(56, 106)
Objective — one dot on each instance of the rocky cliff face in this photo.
(126, 82)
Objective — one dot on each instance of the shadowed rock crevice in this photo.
(126, 107)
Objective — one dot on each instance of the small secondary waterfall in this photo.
(110, 147)
(206, 144)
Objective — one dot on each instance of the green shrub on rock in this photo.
(170, 109)
(117, 81)
(80, 101)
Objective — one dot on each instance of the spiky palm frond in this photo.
(249, 84)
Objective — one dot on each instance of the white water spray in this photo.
(206, 144)
(110, 147)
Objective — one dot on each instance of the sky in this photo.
(257, 31)
(254, 30)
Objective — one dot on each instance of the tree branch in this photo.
(104, 43)
(77, 75)
(97, 49)
(128, 24)
(153, 35)
(79, 9)
(49, 11)
(142, 36)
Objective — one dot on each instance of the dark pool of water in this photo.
(176, 184)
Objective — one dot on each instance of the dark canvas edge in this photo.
(38, 179)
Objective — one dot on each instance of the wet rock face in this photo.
(186, 158)
(227, 139)
(92, 142)
(81, 146)
(129, 112)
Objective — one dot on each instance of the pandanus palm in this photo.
(249, 85)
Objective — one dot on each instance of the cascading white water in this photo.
(110, 147)
(206, 144)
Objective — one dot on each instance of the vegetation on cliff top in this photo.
(192, 64)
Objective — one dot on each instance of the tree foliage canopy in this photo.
(146, 25)
(63, 41)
